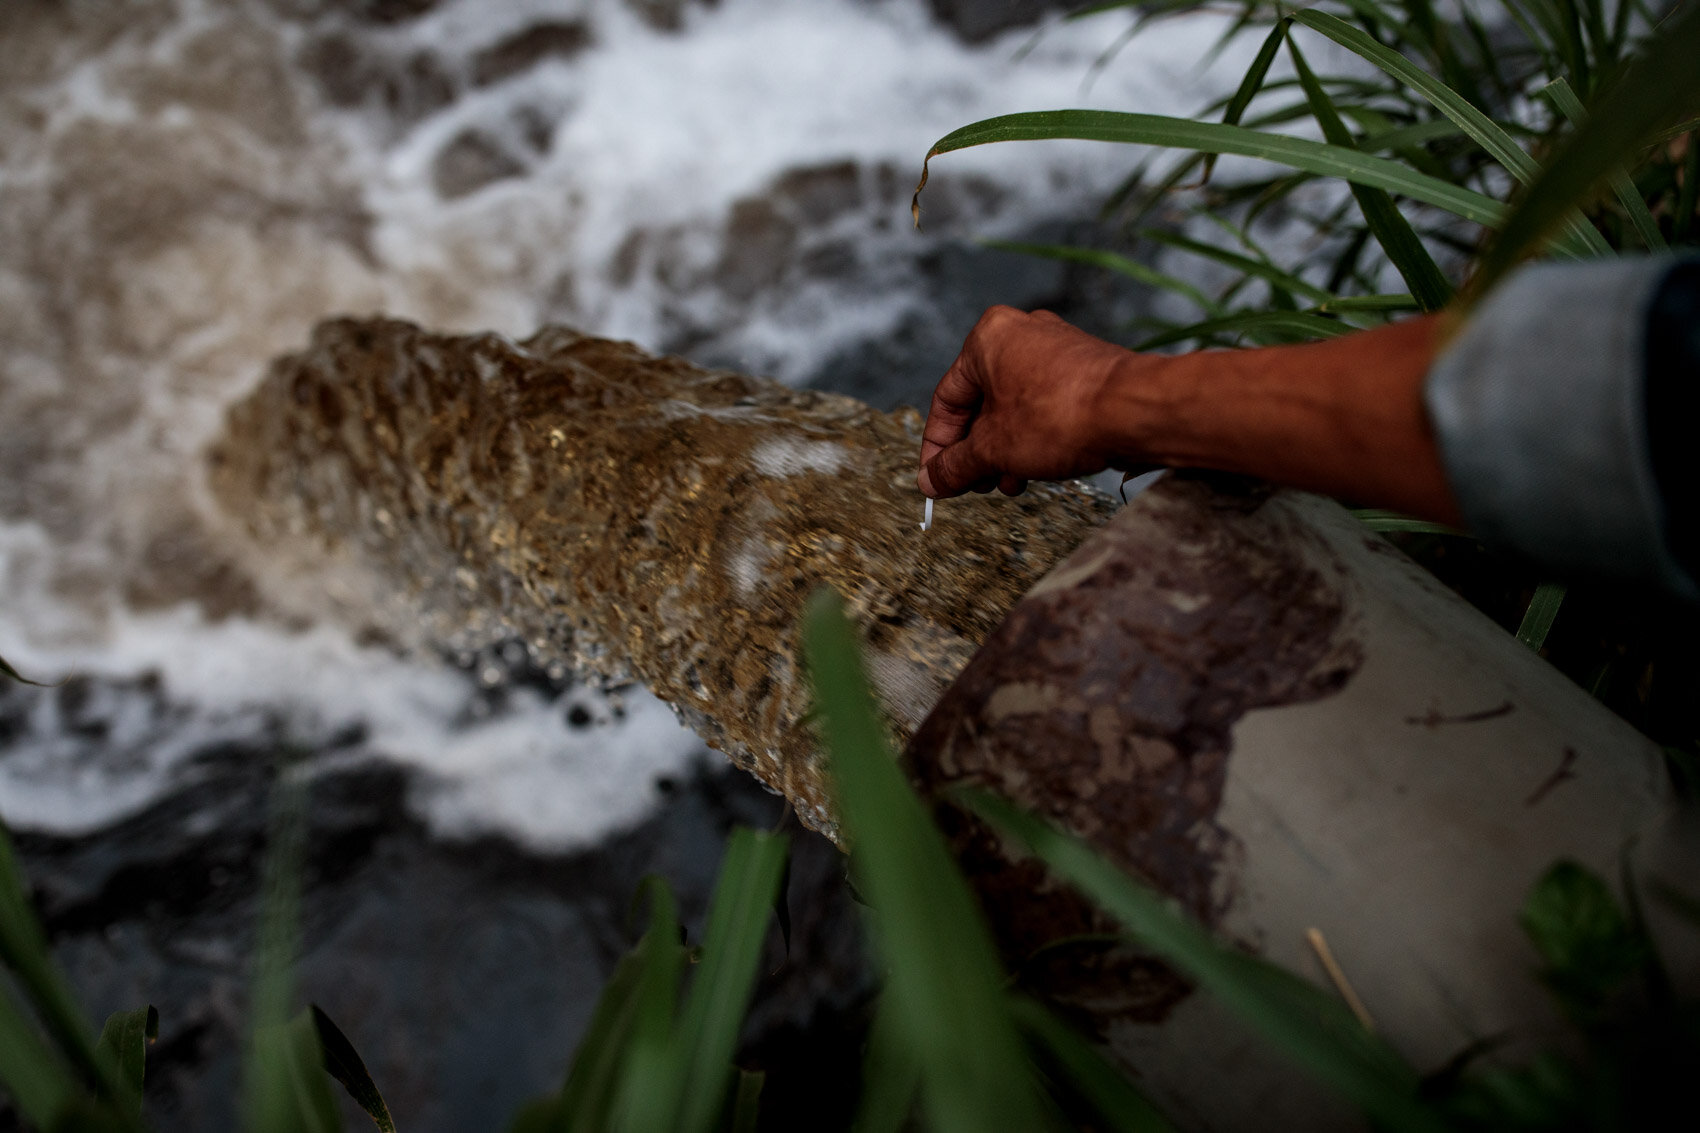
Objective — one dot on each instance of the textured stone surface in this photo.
(1106, 703)
(639, 517)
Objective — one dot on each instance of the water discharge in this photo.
(636, 517)
(187, 187)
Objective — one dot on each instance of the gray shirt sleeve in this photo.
(1540, 410)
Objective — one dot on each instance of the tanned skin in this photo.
(1033, 398)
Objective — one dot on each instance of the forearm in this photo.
(1343, 417)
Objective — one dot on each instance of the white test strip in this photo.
(927, 516)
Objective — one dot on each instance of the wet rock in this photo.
(352, 72)
(472, 159)
(431, 956)
(979, 20)
(666, 15)
(756, 248)
(527, 48)
(389, 11)
(820, 193)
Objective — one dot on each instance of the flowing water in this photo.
(188, 186)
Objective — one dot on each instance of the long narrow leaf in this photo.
(344, 1063)
(284, 1086)
(891, 1077)
(746, 1103)
(1110, 261)
(649, 1086)
(1389, 226)
(33, 1073)
(1621, 183)
(720, 991)
(586, 1103)
(1076, 1065)
(1304, 1023)
(944, 983)
(1383, 521)
(1657, 89)
(1261, 326)
(1262, 269)
(124, 1043)
(1248, 88)
(23, 949)
(1540, 614)
(1482, 129)
(1214, 137)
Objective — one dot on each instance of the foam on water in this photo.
(184, 193)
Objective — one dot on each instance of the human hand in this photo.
(1019, 403)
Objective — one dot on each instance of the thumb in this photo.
(954, 470)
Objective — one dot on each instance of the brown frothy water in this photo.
(638, 516)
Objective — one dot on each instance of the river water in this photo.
(186, 186)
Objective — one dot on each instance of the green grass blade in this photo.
(586, 1104)
(124, 1043)
(1309, 1026)
(1369, 303)
(344, 1063)
(1110, 261)
(890, 1076)
(1538, 618)
(1377, 519)
(1689, 197)
(1621, 183)
(1260, 326)
(650, 1087)
(23, 949)
(35, 1076)
(1656, 89)
(1389, 226)
(707, 1035)
(1483, 130)
(284, 1087)
(1248, 88)
(746, 1103)
(1262, 269)
(944, 981)
(1077, 1066)
(1214, 137)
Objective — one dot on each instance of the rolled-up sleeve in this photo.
(1540, 409)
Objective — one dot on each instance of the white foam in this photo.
(651, 130)
(787, 456)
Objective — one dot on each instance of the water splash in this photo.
(639, 517)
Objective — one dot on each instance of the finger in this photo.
(958, 469)
(1048, 316)
(1011, 485)
(955, 403)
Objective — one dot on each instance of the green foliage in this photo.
(62, 1076)
(1588, 947)
(1449, 111)
(944, 986)
(283, 1087)
(1541, 613)
(343, 1063)
(1657, 92)
(124, 1042)
(645, 1062)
